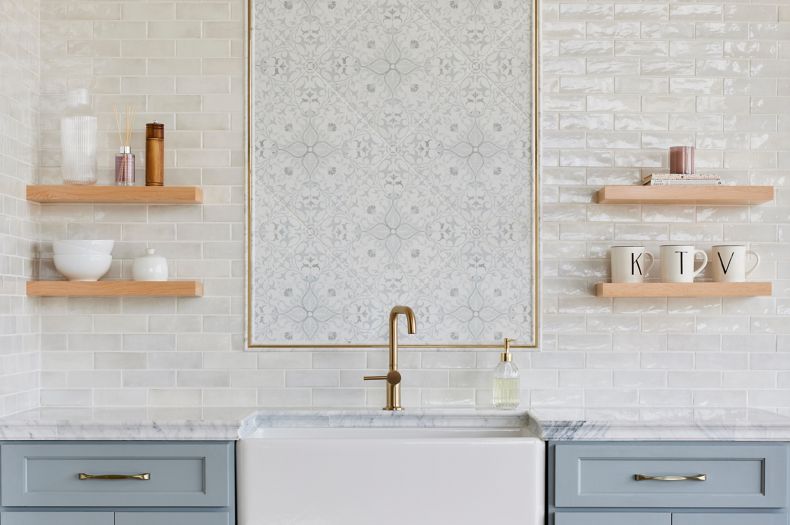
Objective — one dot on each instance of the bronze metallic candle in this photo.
(681, 160)
(154, 154)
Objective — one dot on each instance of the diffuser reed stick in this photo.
(124, 160)
(125, 131)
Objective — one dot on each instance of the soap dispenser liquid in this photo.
(507, 383)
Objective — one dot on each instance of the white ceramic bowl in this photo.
(75, 250)
(100, 246)
(76, 267)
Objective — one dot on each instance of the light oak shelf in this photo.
(115, 289)
(685, 194)
(65, 193)
(752, 289)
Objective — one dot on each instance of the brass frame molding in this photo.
(388, 162)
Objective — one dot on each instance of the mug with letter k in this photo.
(630, 264)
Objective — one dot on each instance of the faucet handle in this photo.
(393, 377)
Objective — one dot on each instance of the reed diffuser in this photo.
(124, 160)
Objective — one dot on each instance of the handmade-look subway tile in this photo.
(622, 81)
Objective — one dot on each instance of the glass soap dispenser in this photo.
(507, 382)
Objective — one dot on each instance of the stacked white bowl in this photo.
(83, 260)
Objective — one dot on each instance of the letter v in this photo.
(725, 268)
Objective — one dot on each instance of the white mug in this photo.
(729, 263)
(630, 264)
(677, 263)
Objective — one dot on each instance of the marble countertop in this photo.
(151, 424)
(375, 418)
(663, 425)
(235, 423)
(119, 424)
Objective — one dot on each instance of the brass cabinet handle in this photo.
(694, 477)
(145, 476)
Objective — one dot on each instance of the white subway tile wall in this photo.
(19, 81)
(180, 63)
(622, 81)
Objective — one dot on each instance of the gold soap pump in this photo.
(506, 355)
(507, 381)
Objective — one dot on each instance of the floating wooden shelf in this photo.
(683, 289)
(64, 193)
(685, 194)
(115, 289)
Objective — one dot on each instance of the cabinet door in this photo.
(171, 518)
(731, 518)
(174, 474)
(59, 518)
(612, 518)
(671, 475)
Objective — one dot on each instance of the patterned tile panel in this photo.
(392, 164)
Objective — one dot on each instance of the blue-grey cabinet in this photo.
(613, 518)
(86, 475)
(718, 518)
(117, 483)
(56, 518)
(693, 483)
(173, 518)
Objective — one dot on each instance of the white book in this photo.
(700, 182)
(678, 176)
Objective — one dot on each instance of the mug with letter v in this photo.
(729, 263)
(630, 264)
(677, 263)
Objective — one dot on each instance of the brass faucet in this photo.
(393, 377)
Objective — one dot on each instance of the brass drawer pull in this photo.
(145, 476)
(695, 477)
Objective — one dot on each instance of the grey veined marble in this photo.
(257, 423)
(121, 424)
(148, 424)
(661, 425)
(702, 425)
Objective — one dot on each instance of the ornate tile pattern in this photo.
(392, 163)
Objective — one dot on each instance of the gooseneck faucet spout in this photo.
(393, 377)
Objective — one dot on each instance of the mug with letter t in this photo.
(677, 263)
(630, 264)
(729, 263)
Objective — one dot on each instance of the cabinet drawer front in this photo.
(172, 518)
(605, 475)
(612, 518)
(56, 518)
(729, 519)
(179, 474)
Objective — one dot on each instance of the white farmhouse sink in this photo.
(366, 468)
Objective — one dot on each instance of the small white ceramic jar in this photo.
(150, 267)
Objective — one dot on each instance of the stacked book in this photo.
(679, 179)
